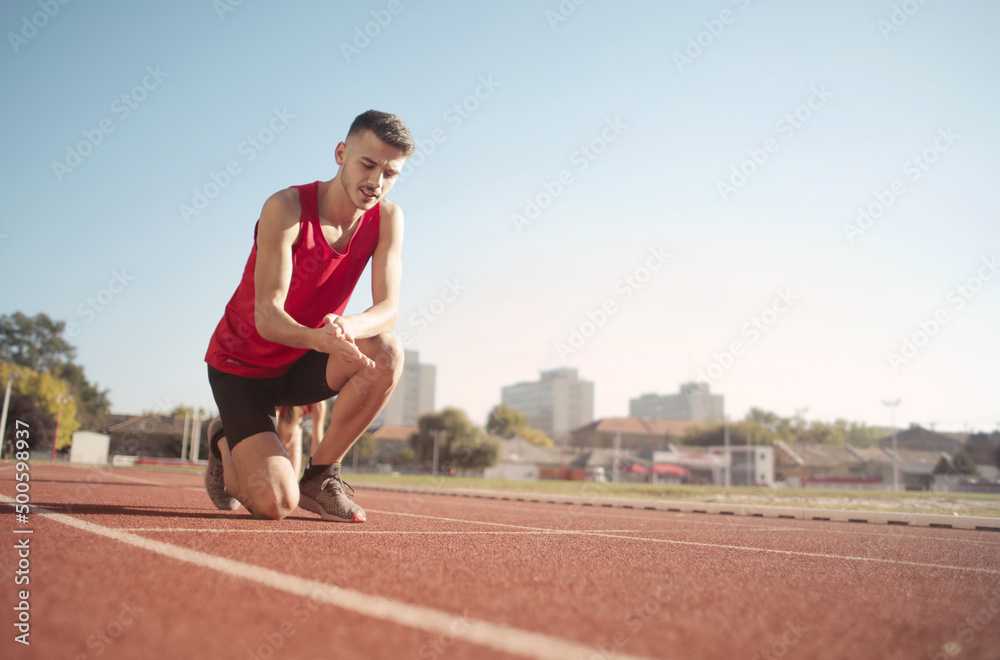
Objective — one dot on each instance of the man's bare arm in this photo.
(387, 269)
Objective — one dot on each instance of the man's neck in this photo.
(335, 208)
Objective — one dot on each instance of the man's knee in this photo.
(272, 498)
(387, 352)
(391, 350)
(275, 504)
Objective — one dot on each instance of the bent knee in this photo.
(388, 353)
(275, 508)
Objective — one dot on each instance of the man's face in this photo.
(368, 168)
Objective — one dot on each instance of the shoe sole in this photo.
(309, 504)
(230, 506)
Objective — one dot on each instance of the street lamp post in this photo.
(436, 434)
(891, 405)
(727, 456)
(3, 417)
(799, 415)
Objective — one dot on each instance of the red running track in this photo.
(128, 563)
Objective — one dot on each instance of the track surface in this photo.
(136, 564)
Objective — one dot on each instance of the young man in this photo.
(283, 340)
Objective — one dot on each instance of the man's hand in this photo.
(336, 338)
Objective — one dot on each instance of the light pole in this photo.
(6, 404)
(60, 399)
(436, 434)
(895, 457)
(728, 458)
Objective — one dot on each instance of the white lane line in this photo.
(554, 532)
(341, 530)
(498, 637)
(739, 522)
(723, 546)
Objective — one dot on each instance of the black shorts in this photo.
(248, 406)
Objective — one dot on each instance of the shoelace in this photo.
(342, 483)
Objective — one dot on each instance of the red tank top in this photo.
(322, 283)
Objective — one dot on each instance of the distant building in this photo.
(556, 404)
(519, 459)
(413, 396)
(146, 435)
(694, 403)
(748, 466)
(920, 439)
(636, 434)
(392, 440)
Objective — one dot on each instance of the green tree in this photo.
(43, 399)
(39, 344)
(364, 450)
(406, 456)
(35, 342)
(505, 422)
(462, 444)
(961, 463)
(536, 437)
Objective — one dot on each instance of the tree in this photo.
(961, 463)
(461, 443)
(505, 422)
(38, 343)
(536, 437)
(364, 450)
(406, 456)
(41, 399)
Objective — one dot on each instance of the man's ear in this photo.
(340, 152)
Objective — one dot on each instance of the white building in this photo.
(751, 465)
(694, 403)
(556, 404)
(413, 396)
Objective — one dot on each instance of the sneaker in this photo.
(326, 495)
(215, 485)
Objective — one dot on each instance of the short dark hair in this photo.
(388, 128)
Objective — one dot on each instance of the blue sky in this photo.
(739, 138)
